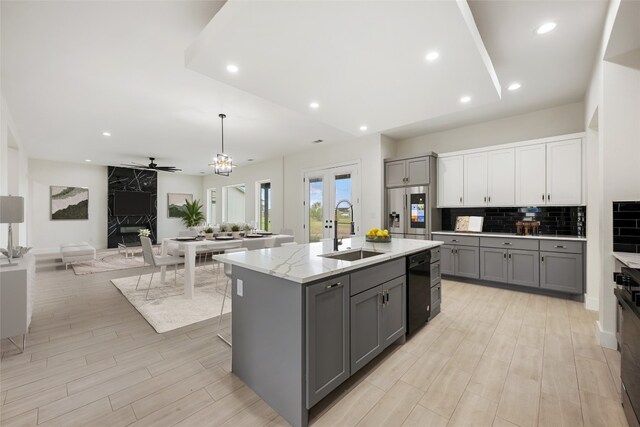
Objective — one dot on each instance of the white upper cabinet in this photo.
(564, 172)
(530, 175)
(450, 181)
(501, 174)
(401, 173)
(475, 179)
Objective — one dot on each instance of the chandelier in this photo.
(222, 163)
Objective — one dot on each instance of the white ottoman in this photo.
(75, 252)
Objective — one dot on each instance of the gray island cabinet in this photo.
(302, 324)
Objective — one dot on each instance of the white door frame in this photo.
(325, 172)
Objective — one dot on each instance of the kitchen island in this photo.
(306, 318)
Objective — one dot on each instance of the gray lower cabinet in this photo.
(460, 261)
(447, 253)
(466, 262)
(328, 364)
(524, 268)
(561, 272)
(494, 265)
(366, 327)
(394, 318)
(378, 318)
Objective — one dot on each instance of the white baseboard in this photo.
(591, 303)
(606, 338)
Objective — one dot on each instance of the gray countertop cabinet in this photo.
(467, 262)
(561, 272)
(366, 327)
(494, 265)
(447, 260)
(394, 317)
(524, 268)
(327, 337)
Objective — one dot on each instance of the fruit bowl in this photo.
(378, 239)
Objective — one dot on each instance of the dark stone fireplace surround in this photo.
(124, 229)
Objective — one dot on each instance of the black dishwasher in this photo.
(418, 290)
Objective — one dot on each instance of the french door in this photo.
(323, 189)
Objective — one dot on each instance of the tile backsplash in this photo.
(626, 226)
(560, 220)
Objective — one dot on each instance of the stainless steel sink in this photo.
(352, 255)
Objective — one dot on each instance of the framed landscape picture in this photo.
(69, 202)
(176, 203)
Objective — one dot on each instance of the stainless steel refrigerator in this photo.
(410, 212)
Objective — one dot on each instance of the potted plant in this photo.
(235, 229)
(208, 233)
(192, 215)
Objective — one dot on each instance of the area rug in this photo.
(108, 261)
(167, 308)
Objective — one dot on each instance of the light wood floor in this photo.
(492, 358)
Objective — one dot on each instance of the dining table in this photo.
(190, 247)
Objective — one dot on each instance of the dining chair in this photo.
(270, 242)
(228, 271)
(280, 240)
(253, 244)
(157, 261)
(286, 231)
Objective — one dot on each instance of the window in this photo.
(234, 196)
(211, 210)
(264, 205)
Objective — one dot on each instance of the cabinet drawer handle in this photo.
(489, 199)
(335, 285)
(541, 259)
(507, 243)
(460, 199)
(387, 292)
(543, 197)
(561, 247)
(549, 196)
(505, 255)
(509, 256)
(485, 198)
(454, 240)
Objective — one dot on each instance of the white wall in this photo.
(249, 174)
(13, 172)
(367, 150)
(561, 120)
(175, 183)
(46, 235)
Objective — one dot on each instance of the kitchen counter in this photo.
(628, 258)
(303, 263)
(513, 235)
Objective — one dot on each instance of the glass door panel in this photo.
(265, 206)
(342, 191)
(315, 204)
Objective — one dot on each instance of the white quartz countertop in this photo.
(302, 263)
(514, 236)
(628, 258)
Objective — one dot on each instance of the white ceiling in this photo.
(554, 68)
(363, 62)
(71, 70)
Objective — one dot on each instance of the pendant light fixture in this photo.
(222, 164)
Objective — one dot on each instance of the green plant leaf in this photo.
(192, 215)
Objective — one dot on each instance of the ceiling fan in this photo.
(152, 166)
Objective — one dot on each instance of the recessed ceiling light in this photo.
(317, 141)
(106, 134)
(363, 127)
(465, 99)
(314, 105)
(232, 68)
(546, 27)
(88, 160)
(514, 86)
(432, 56)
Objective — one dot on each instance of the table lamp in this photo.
(11, 212)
